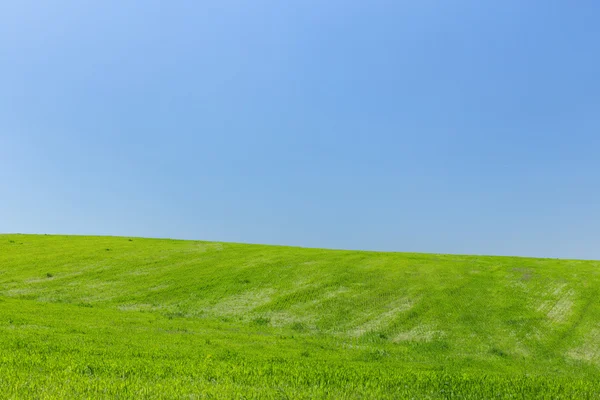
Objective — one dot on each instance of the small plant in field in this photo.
(49, 275)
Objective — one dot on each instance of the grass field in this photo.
(115, 317)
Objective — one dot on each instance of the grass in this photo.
(113, 317)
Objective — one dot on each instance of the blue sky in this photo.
(450, 127)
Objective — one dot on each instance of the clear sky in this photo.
(430, 126)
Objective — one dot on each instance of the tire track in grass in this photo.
(377, 320)
(569, 333)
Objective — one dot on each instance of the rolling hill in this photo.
(117, 317)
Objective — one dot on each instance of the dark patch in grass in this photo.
(374, 355)
(498, 352)
(227, 355)
(175, 314)
(373, 337)
(299, 327)
(49, 275)
(440, 345)
(262, 321)
(412, 314)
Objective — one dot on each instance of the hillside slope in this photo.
(115, 315)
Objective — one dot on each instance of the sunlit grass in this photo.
(102, 317)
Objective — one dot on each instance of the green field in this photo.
(115, 317)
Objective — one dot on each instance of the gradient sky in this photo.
(430, 126)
